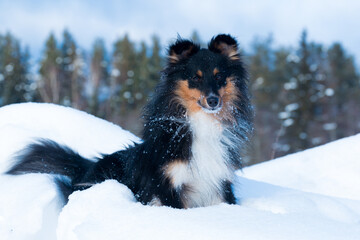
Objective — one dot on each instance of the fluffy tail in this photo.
(47, 156)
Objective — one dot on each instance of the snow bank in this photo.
(309, 195)
(332, 169)
(29, 205)
(89, 135)
(108, 211)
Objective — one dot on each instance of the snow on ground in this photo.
(314, 194)
(332, 169)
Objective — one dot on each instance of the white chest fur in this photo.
(206, 172)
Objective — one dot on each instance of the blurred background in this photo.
(105, 57)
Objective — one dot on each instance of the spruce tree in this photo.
(14, 78)
(344, 86)
(264, 98)
(123, 73)
(72, 72)
(142, 76)
(155, 63)
(302, 99)
(99, 79)
(50, 68)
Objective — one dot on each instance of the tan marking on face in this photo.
(199, 73)
(228, 94)
(216, 71)
(188, 97)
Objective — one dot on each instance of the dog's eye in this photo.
(196, 78)
(217, 77)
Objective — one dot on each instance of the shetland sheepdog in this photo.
(195, 128)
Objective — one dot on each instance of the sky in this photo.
(326, 21)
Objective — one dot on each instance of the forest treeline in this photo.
(304, 95)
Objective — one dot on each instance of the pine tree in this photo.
(72, 72)
(124, 65)
(261, 64)
(99, 79)
(345, 92)
(302, 98)
(78, 81)
(68, 57)
(50, 68)
(155, 64)
(14, 78)
(264, 98)
(142, 76)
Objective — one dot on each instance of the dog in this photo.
(195, 128)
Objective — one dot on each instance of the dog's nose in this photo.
(213, 101)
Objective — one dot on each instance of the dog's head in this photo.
(211, 80)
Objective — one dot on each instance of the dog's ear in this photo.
(226, 45)
(182, 49)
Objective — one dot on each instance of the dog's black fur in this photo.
(170, 166)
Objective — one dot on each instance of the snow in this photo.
(21, 123)
(313, 194)
(332, 169)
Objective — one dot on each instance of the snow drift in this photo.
(314, 194)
